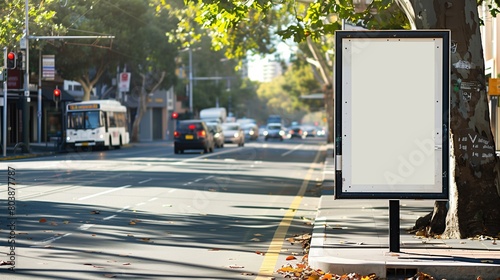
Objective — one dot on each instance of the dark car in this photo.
(274, 131)
(193, 135)
(296, 132)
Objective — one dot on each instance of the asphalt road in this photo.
(143, 212)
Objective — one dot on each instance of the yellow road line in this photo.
(271, 258)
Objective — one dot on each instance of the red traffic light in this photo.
(11, 60)
(175, 115)
(57, 95)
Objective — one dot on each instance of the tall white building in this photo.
(264, 70)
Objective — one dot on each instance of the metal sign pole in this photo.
(394, 237)
(4, 130)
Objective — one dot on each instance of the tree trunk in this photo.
(143, 105)
(141, 109)
(474, 204)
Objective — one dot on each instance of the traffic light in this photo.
(11, 60)
(57, 95)
(19, 60)
(175, 115)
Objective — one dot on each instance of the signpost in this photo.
(391, 117)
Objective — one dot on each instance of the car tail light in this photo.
(176, 134)
(202, 133)
(192, 127)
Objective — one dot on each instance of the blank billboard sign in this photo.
(391, 114)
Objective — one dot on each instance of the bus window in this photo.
(75, 120)
(92, 120)
(112, 120)
(104, 122)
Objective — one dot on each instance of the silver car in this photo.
(233, 134)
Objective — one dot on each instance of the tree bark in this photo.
(143, 105)
(474, 204)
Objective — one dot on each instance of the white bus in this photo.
(96, 123)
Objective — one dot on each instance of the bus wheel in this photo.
(120, 144)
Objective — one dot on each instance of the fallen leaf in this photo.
(259, 253)
(255, 239)
(289, 258)
(42, 220)
(6, 263)
(53, 223)
(132, 223)
(66, 222)
(95, 212)
(247, 273)
(214, 249)
(125, 263)
(146, 239)
(87, 264)
(257, 234)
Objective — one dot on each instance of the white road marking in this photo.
(50, 240)
(104, 192)
(292, 150)
(85, 226)
(109, 217)
(123, 209)
(142, 182)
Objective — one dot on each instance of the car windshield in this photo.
(231, 127)
(274, 127)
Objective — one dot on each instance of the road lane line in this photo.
(49, 240)
(123, 209)
(85, 226)
(145, 181)
(292, 150)
(109, 217)
(274, 250)
(104, 192)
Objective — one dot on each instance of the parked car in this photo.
(193, 135)
(296, 131)
(274, 131)
(216, 129)
(251, 131)
(233, 133)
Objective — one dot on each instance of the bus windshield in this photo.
(84, 120)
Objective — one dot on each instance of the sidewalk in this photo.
(353, 236)
(36, 149)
